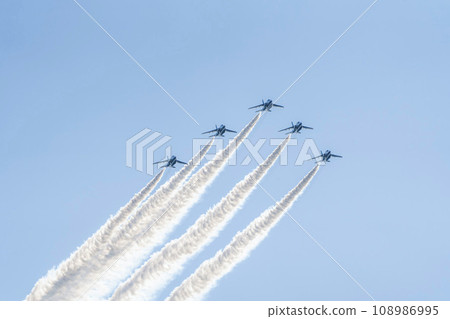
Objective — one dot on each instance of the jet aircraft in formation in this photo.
(170, 162)
(295, 128)
(265, 106)
(219, 131)
(325, 157)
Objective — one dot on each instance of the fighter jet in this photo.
(219, 131)
(170, 162)
(325, 157)
(266, 106)
(295, 128)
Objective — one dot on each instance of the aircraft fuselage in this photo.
(297, 127)
(172, 161)
(326, 156)
(221, 130)
(267, 105)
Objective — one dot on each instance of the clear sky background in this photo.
(70, 98)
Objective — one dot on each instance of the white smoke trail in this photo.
(135, 240)
(72, 276)
(90, 246)
(212, 270)
(163, 265)
(125, 259)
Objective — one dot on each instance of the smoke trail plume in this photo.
(98, 277)
(212, 270)
(159, 227)
(163, 265)
(88, 248)
(71, 277)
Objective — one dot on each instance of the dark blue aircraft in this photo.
(170, 162)
(325, 157)
(295, 128)
(266, 106)
(219, 131)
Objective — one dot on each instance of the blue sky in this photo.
(70, 98)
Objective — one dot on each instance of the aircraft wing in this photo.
(254, 107)
(277, 105)
(215, 130)
(333, 155)
(307, 127)
(315, 157)
(165, 161)
(230, 131)
(181, 162)
(285, 129)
